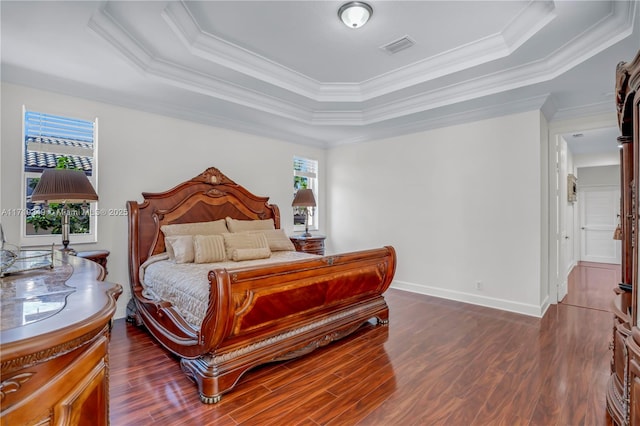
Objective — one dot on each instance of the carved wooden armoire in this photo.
(623, 393)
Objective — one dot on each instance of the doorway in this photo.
(572, 146)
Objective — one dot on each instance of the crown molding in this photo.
(314, 136)
(106, 27)
(535, 16)
(609, 30)
(525, 25)
(229, 55)
(598, 108)
(452, 119)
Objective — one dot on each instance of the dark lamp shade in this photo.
(64, 185)
(304, 198)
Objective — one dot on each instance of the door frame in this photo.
(556, 129)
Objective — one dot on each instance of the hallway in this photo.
(590, 285)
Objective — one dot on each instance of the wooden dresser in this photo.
(54, 339)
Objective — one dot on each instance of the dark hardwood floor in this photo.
(438, 362)
(589, 285)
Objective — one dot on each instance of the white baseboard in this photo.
(474, 299)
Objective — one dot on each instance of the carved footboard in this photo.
(280, 312)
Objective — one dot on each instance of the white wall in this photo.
(599, 175)
(597, 160)
(460, 204)
(140, 152)
(544, 290)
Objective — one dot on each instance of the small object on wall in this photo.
(572, 188)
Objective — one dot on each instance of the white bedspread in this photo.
(185, 285)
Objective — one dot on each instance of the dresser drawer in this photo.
(313, 244)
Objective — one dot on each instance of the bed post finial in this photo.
(213, 176)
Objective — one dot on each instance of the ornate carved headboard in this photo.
(209, 196)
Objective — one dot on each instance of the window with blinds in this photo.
(305, 176)
(51, 141)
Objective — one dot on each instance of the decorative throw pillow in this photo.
(244, 240)
(236, 225)
(277, 239)
(209, 248)
(180, 248)
(250, 254)
(215, 227)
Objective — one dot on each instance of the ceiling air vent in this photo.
(398, 45)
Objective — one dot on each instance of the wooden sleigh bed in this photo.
(254, 314)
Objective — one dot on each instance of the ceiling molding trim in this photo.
(338, 118)
(528, 23)
(599, 108)
(196, 82)
(465, 91)
(104, 26)
(524, 26)
(217, 50)
(224, 53)
(430, 123)
(617, 26)
(15, 76)
(613, 28)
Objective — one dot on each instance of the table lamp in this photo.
(64, 186)
(304, 198)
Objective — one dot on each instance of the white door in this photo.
(563, 238)
(569, 248)
(599, 207)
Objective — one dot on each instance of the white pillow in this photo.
(250, 254)
(244, 240)
(277, 239)
(236, 225)
(215, 227)
(180, 248)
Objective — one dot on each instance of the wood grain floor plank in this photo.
(298, 416)
(439, 362)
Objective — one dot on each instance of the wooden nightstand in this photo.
(98, 256)
(313, 244)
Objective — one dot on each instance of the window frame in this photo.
(313, 185)
(56, 239)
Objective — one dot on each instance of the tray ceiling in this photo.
(291, 70)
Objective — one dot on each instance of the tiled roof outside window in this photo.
(44, 152)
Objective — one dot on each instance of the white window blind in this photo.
(38, 124)
(305, 167)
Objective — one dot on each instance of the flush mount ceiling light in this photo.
(355, 13)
